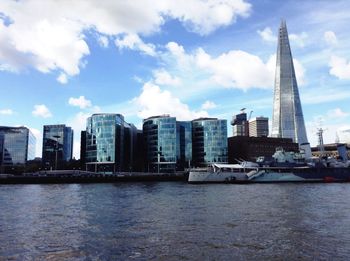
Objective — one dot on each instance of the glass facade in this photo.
(209, 141)
(184, 144)
(57, 145)
(17, 145)
(105, 142)
(287, 118)
(160, 143)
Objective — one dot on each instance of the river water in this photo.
(175, 221)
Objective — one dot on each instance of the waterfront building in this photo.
(82, 149)
(259, 127)
(250, 148)
(160, 143)
(240, 124)
(209, 141)
(109, 143)
(17, 146)
(57, 145)
(130, 146)
(168, 143)
(184, 144)
(287, 119)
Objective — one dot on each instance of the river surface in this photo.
(175, 221)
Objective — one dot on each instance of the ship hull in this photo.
(273, 175)
(302, 175)
(200, 177)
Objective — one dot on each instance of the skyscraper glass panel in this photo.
(209, 141)
(184, 144)
(160, 142)
(57, 145)
(17, 145)
(105, 142)
(287, 119)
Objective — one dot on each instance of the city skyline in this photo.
(56, 67)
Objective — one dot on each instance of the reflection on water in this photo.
(175, 221)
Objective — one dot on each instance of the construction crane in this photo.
(250, 115)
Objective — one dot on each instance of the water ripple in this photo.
(175, 221)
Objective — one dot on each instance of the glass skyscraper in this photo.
(17, 146)
(110, 143)
(209, 141)
(287, 118)
(57, 145)
(160, 143)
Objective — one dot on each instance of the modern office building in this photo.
(130, 146)
(109, 143)
(184, 144)
(168, 144)
(82, 149)
(57, 145)
(250, 148)
(209, 141)
(240, 125)
(160, 143)
(287, 119)
(259, 127)
(17, 146)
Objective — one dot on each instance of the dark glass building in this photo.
(184, 144)
(110, 143)
(57, 145)
(160, 143)
(209, 141)
(17, 146)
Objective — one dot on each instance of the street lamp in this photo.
(57, 137)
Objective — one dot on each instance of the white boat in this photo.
(223, 173)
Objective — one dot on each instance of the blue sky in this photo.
(61, 61)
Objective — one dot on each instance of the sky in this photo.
(62, 61)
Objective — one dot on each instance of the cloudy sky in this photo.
(61, 61)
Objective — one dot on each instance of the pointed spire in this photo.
(287, 120)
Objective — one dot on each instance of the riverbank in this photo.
(72, 176)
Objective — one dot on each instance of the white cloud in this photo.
(330, 38)
(103, 41)
(299, 39)
(78, 123)
(344, 133)
(51, 37)
(337, 113)
(233, 69)
(154, 101)
(62, 78)
(339, 67)
(41, 111)
(6, 112)
(162, 77)
(204, 17)
(236, 69)
(134, 42)
(267, 35)
(207, 105)
(80, 102)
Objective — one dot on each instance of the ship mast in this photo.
(320, 141)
